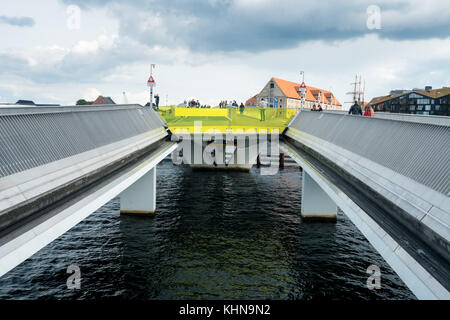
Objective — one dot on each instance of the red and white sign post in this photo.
(151, 83)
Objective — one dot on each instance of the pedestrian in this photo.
(320, 108)
(355, 109)
(241, 108)
(368, 111)
(157, 101)
(314, 108)
(263, 110)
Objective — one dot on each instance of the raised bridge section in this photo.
(60, 164)
(392, 178)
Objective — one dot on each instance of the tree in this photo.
(83, 102)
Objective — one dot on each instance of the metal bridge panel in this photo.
(419, 151)
(36, 136)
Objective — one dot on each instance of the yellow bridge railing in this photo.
(248, 119)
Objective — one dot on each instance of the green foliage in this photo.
(83, 102)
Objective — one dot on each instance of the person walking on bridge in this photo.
(368, 112)
(157, 101)
(355, 109)
(263, 110)
(241, 108)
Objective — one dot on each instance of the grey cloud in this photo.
(17, 21)
(230, 25)
(80, 67)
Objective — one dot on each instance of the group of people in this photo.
(226, 103)
(356, 110)
(317, 108)
(194, 103)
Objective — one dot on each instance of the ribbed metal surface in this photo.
(31, 139)
(20, 109)
(439, 120)
(417, 150)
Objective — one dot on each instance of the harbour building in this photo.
(426, 101)
(280, 93)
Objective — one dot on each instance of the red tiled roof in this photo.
(291, 90)
(103, 100)
(250, 101)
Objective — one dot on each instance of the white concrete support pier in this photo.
(316, 204)
(140, 197)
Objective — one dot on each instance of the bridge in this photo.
(390, 175)
(391, 178)
(60, 164)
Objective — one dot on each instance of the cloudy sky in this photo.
(57, 51)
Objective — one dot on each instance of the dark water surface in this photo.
(216, 235)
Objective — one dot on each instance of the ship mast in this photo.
(357, 93)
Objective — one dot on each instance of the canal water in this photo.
(216, 235)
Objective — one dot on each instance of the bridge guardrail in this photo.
(419, 151)
(34, 136)
(419, 118)
(439, 120)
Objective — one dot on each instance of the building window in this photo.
(423, 101)
(272, 85)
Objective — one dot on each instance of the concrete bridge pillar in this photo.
(140, 197)
(316, 204)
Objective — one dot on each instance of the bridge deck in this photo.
(223, 119)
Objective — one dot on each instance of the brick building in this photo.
(103, 100)
(285, 94)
